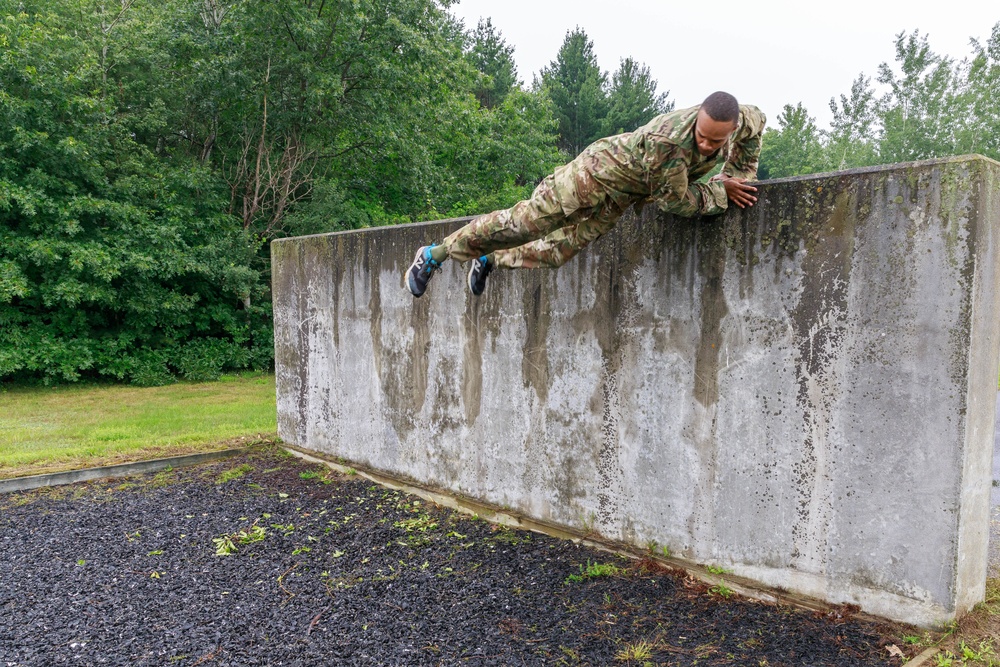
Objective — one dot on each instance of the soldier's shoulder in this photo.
(753, 117)
(673, 123)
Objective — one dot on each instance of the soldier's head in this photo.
(716, 121)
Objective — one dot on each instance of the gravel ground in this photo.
(333, 570)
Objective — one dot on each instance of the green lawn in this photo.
(63, 428)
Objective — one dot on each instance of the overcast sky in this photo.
(766, 52)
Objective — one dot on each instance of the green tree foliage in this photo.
(931, 106)
(111, 263)
(632, 98)
(576, 85)
(149, 151)
(852, 141)
(291, 91)
(493, 58)
(793, 148)
(918, 113)
(981, 132)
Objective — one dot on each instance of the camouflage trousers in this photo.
(567, 210)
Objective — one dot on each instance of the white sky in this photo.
(765, 52)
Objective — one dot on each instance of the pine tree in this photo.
(632, 99)
(576, 86)
(494, 58)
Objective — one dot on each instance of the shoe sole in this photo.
(469, 280)
(410, 271)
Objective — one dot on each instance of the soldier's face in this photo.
(711, 134)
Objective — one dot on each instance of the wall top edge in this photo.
(897, 166)
(363, 230)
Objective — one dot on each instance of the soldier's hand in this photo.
(739, 192)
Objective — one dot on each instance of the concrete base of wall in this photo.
(801, 392)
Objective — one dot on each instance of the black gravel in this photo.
(350, 573)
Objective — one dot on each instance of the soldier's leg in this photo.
(558, 247)
(524, 222)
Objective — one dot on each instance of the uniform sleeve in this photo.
(745, 153)
(680, 197)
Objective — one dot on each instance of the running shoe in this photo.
(420, 272)
(481, 268)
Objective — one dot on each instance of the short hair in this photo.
(722, 107)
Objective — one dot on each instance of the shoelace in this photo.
(429, 262)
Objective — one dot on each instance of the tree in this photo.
(851, 141)
(149, 151)
(921, 113)
(794, 148)
(632, 98)
(111, 263)
(981, 134)
(494, 59)
(576, 86)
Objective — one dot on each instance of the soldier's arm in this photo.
(680, 197)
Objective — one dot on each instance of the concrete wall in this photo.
(802, 392)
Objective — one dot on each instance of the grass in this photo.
(594, 571)
(635, 652)
(973, 641)
(52, 429)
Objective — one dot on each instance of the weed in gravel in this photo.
(162, 479)
(572, 655)
(234, 473)
(504, 535)
(45, 493)
(593, 571)
(640, 651)
(721, 590)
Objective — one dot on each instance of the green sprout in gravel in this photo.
(721, 590)
(594, 571)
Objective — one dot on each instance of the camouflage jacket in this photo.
(660, 161)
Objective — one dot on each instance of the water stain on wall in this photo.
(536, 307)
(401, 368)
(820, 324)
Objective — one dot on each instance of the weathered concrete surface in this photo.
(802, 392)
(993, 569)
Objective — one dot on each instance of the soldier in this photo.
(582, 200)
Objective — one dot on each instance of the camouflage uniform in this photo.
(582, 200)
